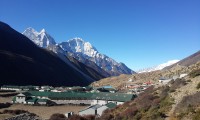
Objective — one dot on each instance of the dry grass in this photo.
(43, 111)
(5, 99)
(4, 116)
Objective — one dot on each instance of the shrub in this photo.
(58, 116)
(89, 117)
(77, 117)
(191, 100)
(107, 116)
(118, 117)
(196, 116)
(5, 105)
(14, 112)
(177, 84)
(194, 73)
(130, 112)
(164, 92)
(165, 104)
(198, 85)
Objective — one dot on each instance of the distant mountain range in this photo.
(158, 67)
(24, 63)
(192, 59)
(80, 50)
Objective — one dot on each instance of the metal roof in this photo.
(111, 105)
(113, 96)
(32, 99)
(83, 96)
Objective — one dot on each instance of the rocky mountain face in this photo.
(80, 50)
(158, 67)
(84, 51)
(24, 63)
(42, 38)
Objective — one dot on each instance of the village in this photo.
(95, 99)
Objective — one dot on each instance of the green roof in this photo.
(32, 99)
(82, 96)
(111, 105)
(71, 95)
(42, 100)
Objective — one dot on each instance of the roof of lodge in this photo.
(19, 87)
(82, 96)
(111, 105)
(32, 99)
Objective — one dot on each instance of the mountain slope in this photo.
(159, 67)
(24, 63)
(192, 59)
(84, 51)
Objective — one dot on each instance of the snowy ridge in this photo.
(159, 67)
(78, 49)
(41, 38)
(82, 50)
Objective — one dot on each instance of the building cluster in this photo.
(163, 80)
(98, 99)
(136, 88)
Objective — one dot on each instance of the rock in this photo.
(25, 116)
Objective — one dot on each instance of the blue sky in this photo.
(139, 33)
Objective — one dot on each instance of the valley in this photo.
(99, 60)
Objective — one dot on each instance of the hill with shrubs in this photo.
(178, 100)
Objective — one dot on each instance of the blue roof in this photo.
(107, 86)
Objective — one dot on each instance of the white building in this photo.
(97, 109)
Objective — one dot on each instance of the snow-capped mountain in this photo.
(79, 49)
(42, 38)
(159, 67)
(83, 51)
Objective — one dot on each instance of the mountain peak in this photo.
(76, 39)
(30, 30)
(41, 38)
(82, 51)
(43, 31)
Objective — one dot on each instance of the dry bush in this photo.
(198, 85)
(191, 100)
(164, 92)
(177, 84)
(77, 117)
(130, 112)
(107, 116)
(144, 101)
(89, 117)
(14, 112)
(194, 73)
(58, 116)
(5, 105)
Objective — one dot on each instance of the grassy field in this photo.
(43, 111)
